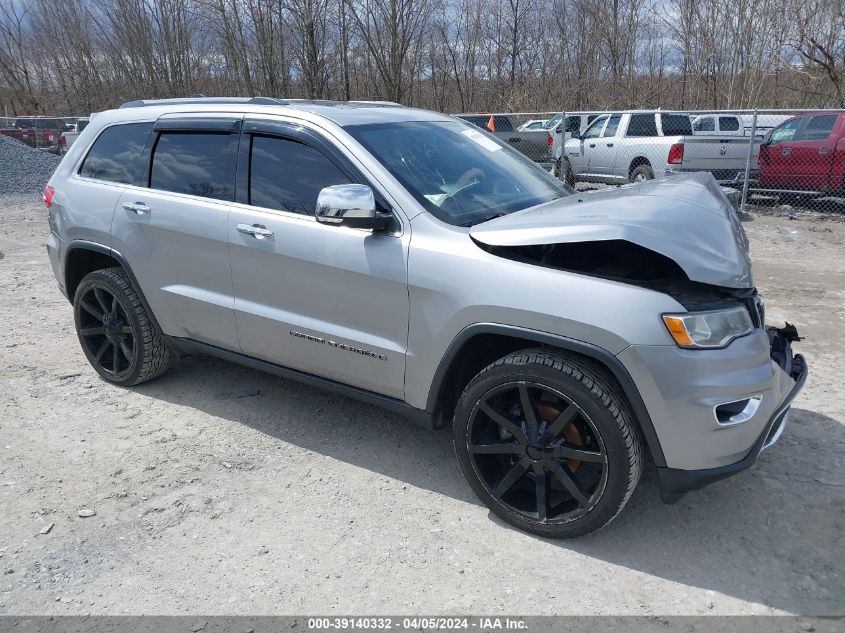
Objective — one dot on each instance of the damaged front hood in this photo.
(686, 218)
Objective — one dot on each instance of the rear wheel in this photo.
(641, 173)
(116, 334)
(547, 444)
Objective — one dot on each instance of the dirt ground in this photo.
(218, 489)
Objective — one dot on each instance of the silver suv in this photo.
(414, 261)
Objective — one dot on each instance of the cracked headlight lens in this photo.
(715, 328)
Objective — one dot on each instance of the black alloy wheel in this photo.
(537, 452)
(548, 443)
(116, 334)
(106, 332)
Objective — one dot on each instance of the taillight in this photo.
(49, 192)
(676, 154)
(549, 141)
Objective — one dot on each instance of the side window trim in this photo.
(298, 134)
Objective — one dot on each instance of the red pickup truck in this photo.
(805, 154)
(41, 132)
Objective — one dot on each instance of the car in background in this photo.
(71, 135)
(531, 143)
(533, 124)
(39, 132)
(637, 145)
(805, 154)
(727, 124)
(561, 130)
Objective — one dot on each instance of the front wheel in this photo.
(118, 338)
(547, 443)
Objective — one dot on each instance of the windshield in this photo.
(460, 174)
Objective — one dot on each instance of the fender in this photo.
(105, 250)
(608, 360)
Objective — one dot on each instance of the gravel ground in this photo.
(24, 170)
(217, 489)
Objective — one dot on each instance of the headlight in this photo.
(708, 329)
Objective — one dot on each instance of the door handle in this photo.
(515, 139)
(592, 144)
(824, 150)
(138, 207)
(610, 144)
(786, 151)
(256, 230)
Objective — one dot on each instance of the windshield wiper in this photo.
(485, 218)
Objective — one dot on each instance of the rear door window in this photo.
(195, 163)
(573, 124)
(642, 125)
(117, 153)
(675, 124)
(287, 175)
(818, 128)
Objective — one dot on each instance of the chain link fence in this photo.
(43, 132)
(794, 158)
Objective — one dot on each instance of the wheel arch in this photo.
(83, 257)
(478, 345)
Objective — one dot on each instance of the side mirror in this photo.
(350, 205)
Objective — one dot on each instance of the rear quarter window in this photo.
(116, 154)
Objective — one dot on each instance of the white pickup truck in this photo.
(631, 146)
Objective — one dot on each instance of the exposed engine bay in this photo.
(626, 262)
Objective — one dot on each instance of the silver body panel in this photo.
(380, 311)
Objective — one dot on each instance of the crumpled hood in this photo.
(687, 218)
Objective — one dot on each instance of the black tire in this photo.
(589, 436)
(115, 332)
(641, 173)
(566, 174)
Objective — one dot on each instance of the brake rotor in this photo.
(570, 432)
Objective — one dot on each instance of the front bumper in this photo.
(674, 482)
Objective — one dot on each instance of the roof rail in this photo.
(384, 103)
(140, 103)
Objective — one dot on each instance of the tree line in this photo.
(78, 56)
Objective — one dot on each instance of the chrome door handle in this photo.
(824, 150)
(256, 230)
(786, 151)
(138, 207)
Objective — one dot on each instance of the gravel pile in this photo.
(24, 170)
